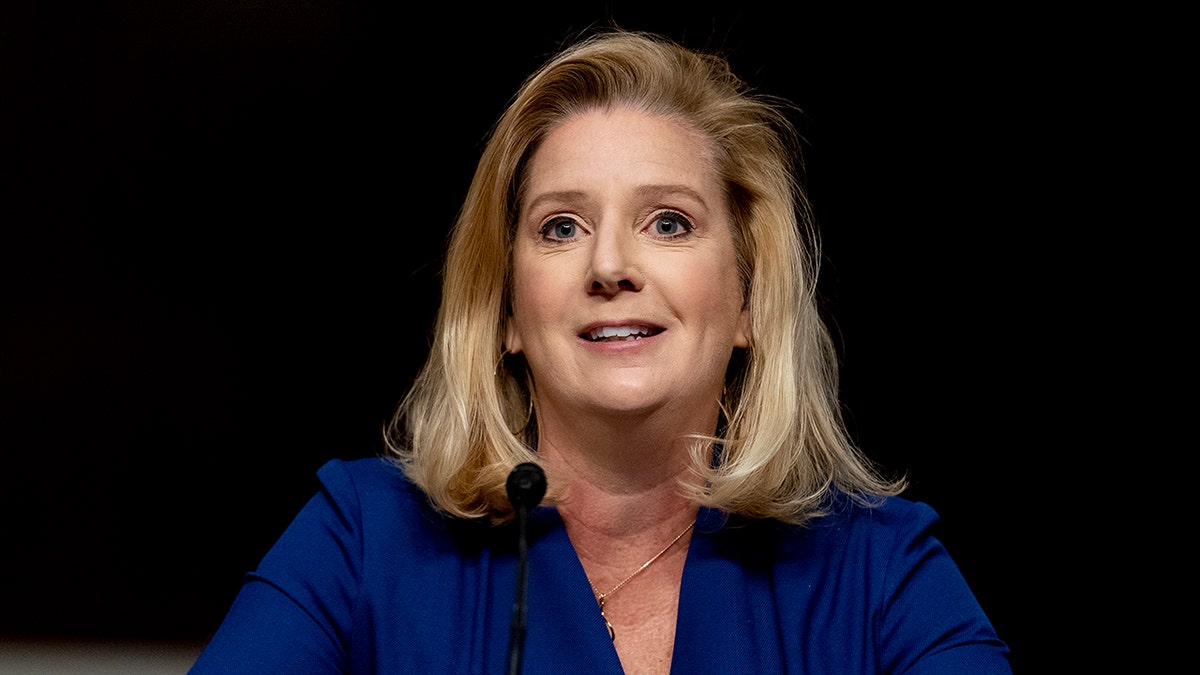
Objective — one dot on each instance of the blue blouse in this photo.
(369, 579)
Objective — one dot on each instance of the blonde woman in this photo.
(628, 303)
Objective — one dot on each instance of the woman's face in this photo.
(626, 296)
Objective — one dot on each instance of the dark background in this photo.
(224, 222)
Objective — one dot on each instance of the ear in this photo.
(512, 336)
(744, 332)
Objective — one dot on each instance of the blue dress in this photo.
(369, 579)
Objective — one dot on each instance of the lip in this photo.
(646, 330)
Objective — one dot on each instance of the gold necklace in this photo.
(601, 597)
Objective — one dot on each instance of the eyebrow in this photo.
(653, 191)
(672, 189)
(558, 196)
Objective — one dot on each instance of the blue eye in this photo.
(560, 229)
(672, 225)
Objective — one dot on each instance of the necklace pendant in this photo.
(601, 597)
(612, 633)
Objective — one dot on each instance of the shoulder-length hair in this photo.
(782, 450)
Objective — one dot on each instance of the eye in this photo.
(671, 224)
(560, 229)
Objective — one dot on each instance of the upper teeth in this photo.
(617, 331)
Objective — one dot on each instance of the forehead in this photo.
(609, 147)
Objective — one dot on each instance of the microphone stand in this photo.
(526, 486)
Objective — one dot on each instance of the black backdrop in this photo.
(223, 235)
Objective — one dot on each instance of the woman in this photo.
(628, 302)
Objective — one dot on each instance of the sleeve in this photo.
(931, 621)
(294, 613)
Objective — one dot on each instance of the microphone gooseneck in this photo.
(526, 486)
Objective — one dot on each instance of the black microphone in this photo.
(526, 487)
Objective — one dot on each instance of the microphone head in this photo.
(526, 485)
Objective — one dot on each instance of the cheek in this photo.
(533, 304)
(714, 290)
(529, 292)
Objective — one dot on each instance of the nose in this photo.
(615, 263)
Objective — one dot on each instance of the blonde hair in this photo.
(783, 450)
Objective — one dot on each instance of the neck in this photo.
(626, 516)
(621, 475)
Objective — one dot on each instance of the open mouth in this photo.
(620, 333)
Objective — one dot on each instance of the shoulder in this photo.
(853, 540)
(368, 475)
(853, 523)
(375, 493)
(370, 481)
(386, 511)
(366, 518)
(887, 538)
(353, 498)
(914, 593)
(887, 513)
(890, 520)
(866, 548)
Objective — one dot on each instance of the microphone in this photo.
(526, 486)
